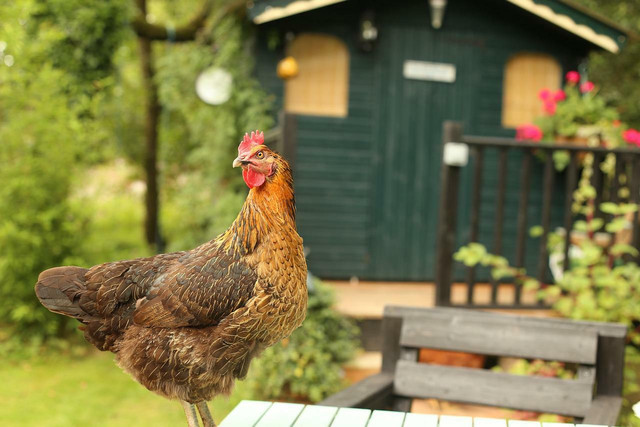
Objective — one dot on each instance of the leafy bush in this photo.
(38, 227)
(82, 35)
(307, 366)
(47, 131)
(602, 282)
(199, 141)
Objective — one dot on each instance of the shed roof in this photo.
(562, 13)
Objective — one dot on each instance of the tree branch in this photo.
(185, 32)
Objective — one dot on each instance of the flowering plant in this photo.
(577, 115)
(570, 110)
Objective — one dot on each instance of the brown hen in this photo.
(187, 324)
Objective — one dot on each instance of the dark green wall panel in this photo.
(367, 185)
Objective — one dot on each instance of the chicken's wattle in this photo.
(253, 178)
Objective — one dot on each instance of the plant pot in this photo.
(451, 358)
(577, 141)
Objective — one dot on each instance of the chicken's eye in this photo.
(259, 155)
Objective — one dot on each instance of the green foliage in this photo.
(619, 70)
(199, 141)
(48, 128)
(72, 110)
(601, 284)
(307, 366)
(82, 35)
(39, 229)
(575, 112)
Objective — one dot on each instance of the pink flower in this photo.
(528, 132)
(550, 107)
(573, 77)
(632, 137)
(586, 87)
(559, 95)
(544, 95)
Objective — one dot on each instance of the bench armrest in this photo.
(604, 410)
(372, 392)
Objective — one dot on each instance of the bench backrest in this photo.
(597, 348)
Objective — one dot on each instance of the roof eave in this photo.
(565, 22)
(271, 13)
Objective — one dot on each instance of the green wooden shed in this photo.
(375, 81)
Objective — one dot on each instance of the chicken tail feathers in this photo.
(59, 290)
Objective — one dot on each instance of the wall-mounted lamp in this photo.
(368, 33)
(437, 12)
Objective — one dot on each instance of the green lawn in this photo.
(88, 391)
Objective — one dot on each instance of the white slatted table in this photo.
(252, 413)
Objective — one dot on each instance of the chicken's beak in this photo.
(237, 162)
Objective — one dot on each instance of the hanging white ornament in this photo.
(213, 85)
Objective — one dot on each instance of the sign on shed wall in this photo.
(431, 71)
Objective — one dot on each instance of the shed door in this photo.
(408, 148)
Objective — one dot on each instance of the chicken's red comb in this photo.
(250, 141)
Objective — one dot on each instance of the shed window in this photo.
(525, 75)
(322, 85)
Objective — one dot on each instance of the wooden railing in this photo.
(627, 165)
(282, 138)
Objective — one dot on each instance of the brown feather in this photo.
(186, 324)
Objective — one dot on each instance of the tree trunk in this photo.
(146, 33)
(152, 110)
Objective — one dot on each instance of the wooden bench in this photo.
(593, 397)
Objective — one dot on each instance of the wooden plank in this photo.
(475, 215)
(450, 175)
(391, 329)
(403, 404)
(360, 394)
(420, 420)
(572, 173)
(547, 196)
(596, 181)
(604, 410)
(246, 413)
(316, 416)
(499, 218)
(280, 415)
(478, 386)
(497, 335)
(616, 330)
(520, 423)
(523, 203)
(351, 417)
(489, 422)
(386, 419)
(455, 421)
(610, 366)
(289, 139)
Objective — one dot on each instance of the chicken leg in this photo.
(190, 412)
(205, 414)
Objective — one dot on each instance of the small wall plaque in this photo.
(431, 71)
(455, 154)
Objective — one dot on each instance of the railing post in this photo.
(288, 142)
(447, 216)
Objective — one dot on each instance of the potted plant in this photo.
(576, 115)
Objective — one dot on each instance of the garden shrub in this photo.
(308, 365)
(602, 282)
(38, 227)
